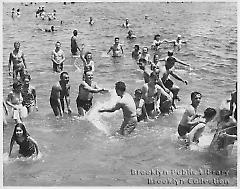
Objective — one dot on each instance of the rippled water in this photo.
(85, 152)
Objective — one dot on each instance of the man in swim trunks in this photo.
(85, 94)
(19, 65)
(189, 121)
(127, 104)
(116, 48)
(60, 91)
(57, 57)
(75, 43)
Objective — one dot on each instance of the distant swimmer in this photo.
(136, 52)
(116, 48)
(140, 106)
(197, 131)
(17, 58)
(177, 43)
(127, 104)
(52, 29)
(13, 12)
(157, 42)
(233, 103)
(91, 22)
(126, 23)
(18, 13)
(57, 57)
(88, 63)
(29, 94)
(189, 121)
(131, 35)
(27, 145)
(75, 43)
(59, 92)
(85, 94)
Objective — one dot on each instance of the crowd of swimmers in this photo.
(157, 95)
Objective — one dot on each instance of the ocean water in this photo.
(86, 152)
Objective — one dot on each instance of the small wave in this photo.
(15, 158)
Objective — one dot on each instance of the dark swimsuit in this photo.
(85, 104)
(26, 147)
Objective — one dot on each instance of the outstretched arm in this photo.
(181, 62)
(113, 109)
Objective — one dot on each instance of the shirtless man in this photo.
(19, 65)
(57, 58)
(116, 48)
(85, 94)
(189, 121)
(232, 102)
(75, 44)
(140, 106)
(151, 94)
(126, 103)
(177, 43)
(60, 91)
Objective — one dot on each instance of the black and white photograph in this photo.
(119, 93)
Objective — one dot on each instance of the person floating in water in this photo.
(17, 58)
(126, 24)
(127, 104)
(189, 121)
(61, 91)
(116, 48)
(177, 43)
(58, 58)
(27, 145)
(131, 35)
(91, 22)
(85, 94)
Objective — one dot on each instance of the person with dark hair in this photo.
(15, 100)
(140, 106)
(57, 57)
(197, 130)
(136, 52)
(85, 94)
(59, 92)
(157, 42)
(127, 104)
(116, 48)
(75, 43)
(29, 94)
(91, 22)
(189, 121)
(27, 145)
(17, 58)
(233, 102)
(131, 35)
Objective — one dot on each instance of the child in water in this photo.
(27, 145)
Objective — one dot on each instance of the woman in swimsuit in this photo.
(27, 145)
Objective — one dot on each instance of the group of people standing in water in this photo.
(157, 95)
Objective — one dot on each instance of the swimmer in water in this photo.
(131, 35)
(75, 43)
(59, 92)
(177, 43)
(136, 52)
(157, 42)
(17, 58)
(52, 29)
(116, 48)
(57, 57)
(18, 13)
(27, 145)
(145, 55)
(127, 104)
(126, 24)
(91, 22)
(13, 12)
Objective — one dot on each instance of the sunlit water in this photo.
(83, 152)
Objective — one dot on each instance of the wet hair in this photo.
(58, 42)
(168, 83)
(170, 53)
(194, 94)
(75, 32)
(16, 84)
(61, 75)
(16, 43)
(138, 91)
(86, 54)
(120, 85)
(210, 112)
(130, 31)
(155, 37)
(137, 46)
(25, 133)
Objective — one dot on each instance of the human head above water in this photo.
(20, 125)
(209, 113)
(136, 47)
(156, 36)
(194, 94)
(120, 85)
(74, 32)
(170, 53)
